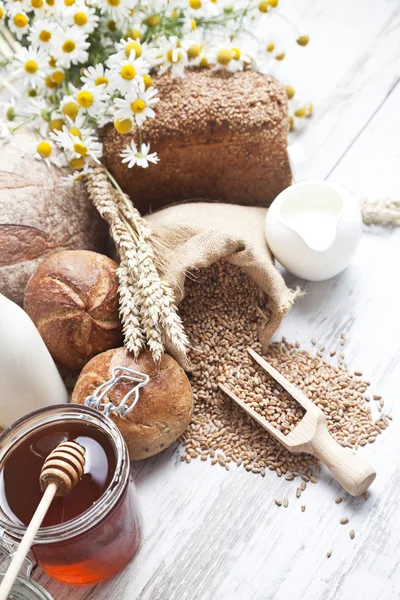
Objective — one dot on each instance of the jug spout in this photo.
(319, 240)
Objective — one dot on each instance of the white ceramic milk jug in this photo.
(29, 379)
(313, 228)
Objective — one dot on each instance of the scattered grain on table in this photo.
(344, 521)
(303, 507)
(285, 502)
(278, 502)
(339, 499)
(329, 553)
(222, 312)
(352, 534)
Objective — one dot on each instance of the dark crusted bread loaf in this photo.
(165, 404)
(219, 136)
(39, 214)
(73, 300)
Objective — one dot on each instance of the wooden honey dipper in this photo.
(61, 471)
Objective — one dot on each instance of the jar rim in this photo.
(93, 515)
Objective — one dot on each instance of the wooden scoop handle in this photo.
(353, 473)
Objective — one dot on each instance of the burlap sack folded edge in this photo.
(195, 235)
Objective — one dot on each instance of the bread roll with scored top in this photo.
(73, 300)
(219, 136)
(165, 404)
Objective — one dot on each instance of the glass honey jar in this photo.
(90, 534)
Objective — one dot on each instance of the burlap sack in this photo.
(194, 236)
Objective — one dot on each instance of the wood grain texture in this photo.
(217, 535)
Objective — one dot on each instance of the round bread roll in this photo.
(164, 409)
(72, 298)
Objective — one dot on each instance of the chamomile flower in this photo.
(230, 57)
(70, 47)
(30, 64)
(2, 12)
(171, 56)
(97, 76)
(77, 147)
(18, 22)
(45, 151)
(132, 156)
(137, 105)
(118, 10)
(82, 16)
(69, 107)
(126, 72)
(79, 167)
(91, 99)
(132, 48)
(42, 33)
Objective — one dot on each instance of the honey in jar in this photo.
(91, 533)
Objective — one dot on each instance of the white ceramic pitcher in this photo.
(313, 228)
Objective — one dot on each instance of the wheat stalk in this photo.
(146, 303)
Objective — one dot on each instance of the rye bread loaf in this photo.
(39, 214)
(165, 404)
(73, 300)
(219, 136)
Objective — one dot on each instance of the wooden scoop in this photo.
(311, 436)
(61, 471)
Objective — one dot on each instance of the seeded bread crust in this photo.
(219, 136)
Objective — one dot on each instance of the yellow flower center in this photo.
(273, 3)
(203, 62)
(1, 12)
(194, 51)
(56, 124)
(80, 19)
(10, 114)
(77, 164)
(290, 91)
(31, 66)
(195, 4)
(270, 47)
(45, 36)
(50, 83)
(263, 6)
(128, 72)
(135, 34)
(153, 21)
(32, 93)
(85, 98)
(235, 53)
(58, 76)
(113, 2)
(44, 149)
(175, 14)
(124, 126)
(101, 81)
(20, 20)
(70, 109)
(138, 106)
(37, 3)
(80, 149)
(224, 56)
(193, 24)
(111, 25)
(303, 40)
(174, 56)
(135, 46)
(147, 80)
(52, 62)
(68, 46)
(300, 113)
(280, 56)
(75, 131)
(50, 2)
(69, 2)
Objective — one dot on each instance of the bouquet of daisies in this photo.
(85, 63)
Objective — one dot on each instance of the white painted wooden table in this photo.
(210, 534)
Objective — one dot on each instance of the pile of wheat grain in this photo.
(222, 312)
